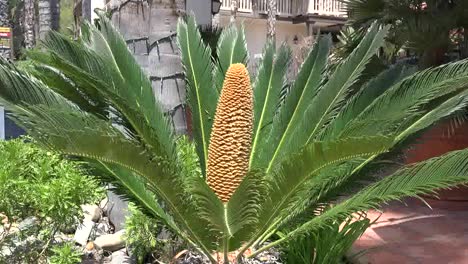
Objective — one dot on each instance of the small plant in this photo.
(40, 196)
(140, 233)
(65, 254)
(149, 239)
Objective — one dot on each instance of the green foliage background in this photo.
(40, 184)
(66, 15)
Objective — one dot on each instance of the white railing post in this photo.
(292, 7)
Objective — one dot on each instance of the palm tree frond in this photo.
(231, 49)
(408, 100)
(414, 180)
(334, 94)
(290, 177)
(202, 97)
(364, 97)
(267, 93)
(303, 90)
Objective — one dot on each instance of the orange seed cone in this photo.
(231, 136)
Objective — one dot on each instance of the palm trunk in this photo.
(234, 8)
(55, 14)
(44, 17)
(464, 46)
(271, 21)
(29, 22)
(4, 22)
(432, 57)
(159, 56)
(48, 16)
(4, 17)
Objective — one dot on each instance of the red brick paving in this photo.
(415, 234)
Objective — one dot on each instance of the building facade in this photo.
(297, 21)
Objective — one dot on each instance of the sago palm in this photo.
(262, 159)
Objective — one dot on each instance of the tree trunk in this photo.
(160, 58)
(464, 45)
(234, 8)
(44, 17)
(55, 14)
(49, 16)
(4, 22)
(432, 57)
(271, 21)
(4, 17)
(29, 22)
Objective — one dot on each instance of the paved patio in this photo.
(415, 234)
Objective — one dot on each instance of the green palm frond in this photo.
(244, 207)
(365, 11)
(405, 102)
(235, 221)
(232, 48)
(418, 179)
(328, 245)
(61, 125)
(32, 90)
(267, 92)
(307, 124)
(132, 187)
(336, 91)
(455, 105)
(137, 87)
(367, 94)
(82, 135)
(69, 90)
(303, 90)
(202, 97)
(287, 180)
(96, 76)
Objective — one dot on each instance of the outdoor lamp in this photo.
(215, 6)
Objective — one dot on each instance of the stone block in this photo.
(111, 242)
(91, 212)
(118, 211)
(83, 232)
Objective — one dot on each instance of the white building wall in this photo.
(255, 31)
(96, 4)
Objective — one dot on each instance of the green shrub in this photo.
(149, 238)
(48, 190)
(140, 233)
(65, 254)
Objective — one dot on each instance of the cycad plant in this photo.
(262, 159)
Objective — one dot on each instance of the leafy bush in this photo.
(140, 233)
(46, 190)
(267, 160)
(148, 239)
(65, 254)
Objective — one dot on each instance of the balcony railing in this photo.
(326, 8)
(290, 7)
